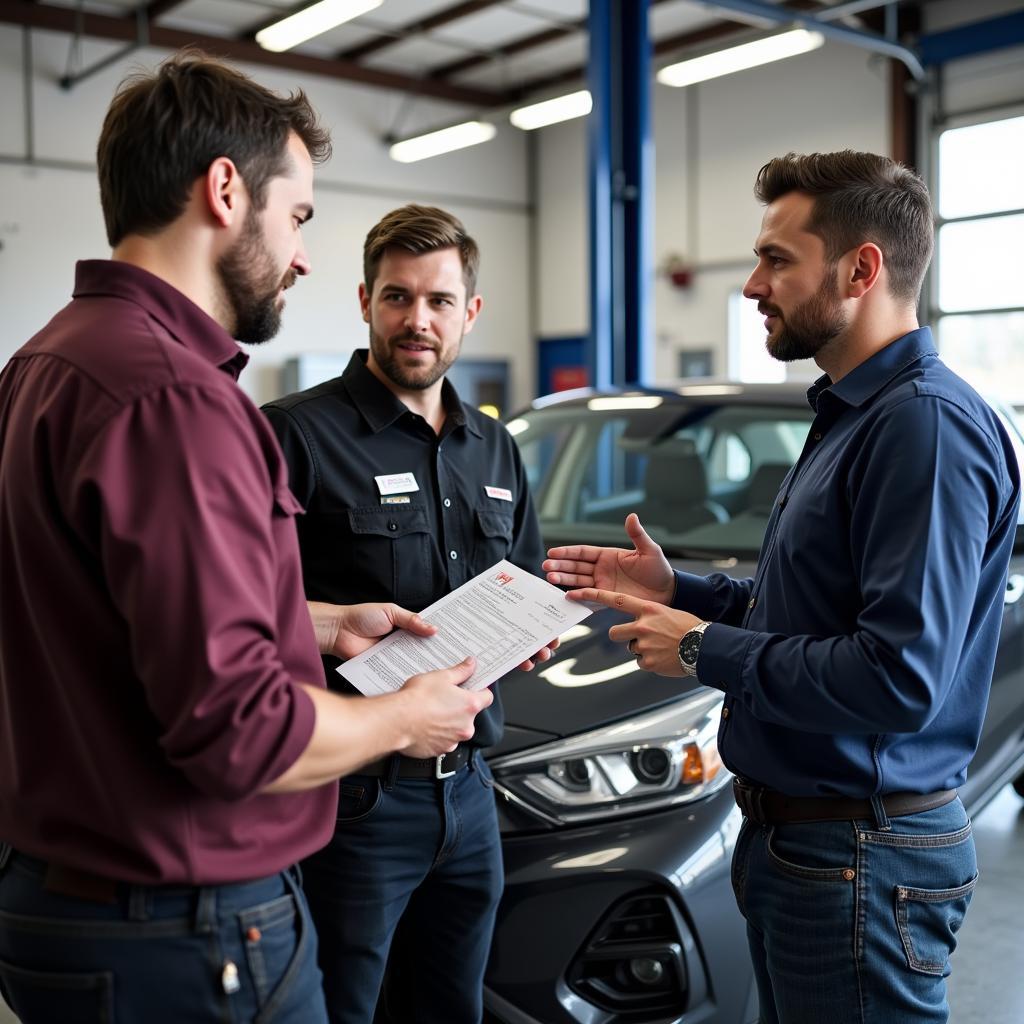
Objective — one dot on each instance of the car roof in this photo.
(695, 391)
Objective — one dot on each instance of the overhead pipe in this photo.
(855, 37)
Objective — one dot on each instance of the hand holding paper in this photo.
(503, 618)
(444, 711)
(346, 630)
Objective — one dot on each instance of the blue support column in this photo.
(620, 164)
(599, 144)
(638, 193)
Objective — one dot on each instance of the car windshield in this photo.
(702, 477)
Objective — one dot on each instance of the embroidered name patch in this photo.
(501, 493)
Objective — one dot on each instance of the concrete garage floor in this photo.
(987, 984)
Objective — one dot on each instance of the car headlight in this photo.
(655, 760)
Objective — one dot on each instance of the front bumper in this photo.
(626, 921)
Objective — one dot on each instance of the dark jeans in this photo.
(425, 851)
(162, 955)
(850, 923)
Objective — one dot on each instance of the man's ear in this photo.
(364, 302)
(864, 268)
(223, 189)
(473, 307)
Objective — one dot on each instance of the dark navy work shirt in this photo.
(858, 659)
(153, 621)
(456, 502)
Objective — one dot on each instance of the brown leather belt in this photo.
(769, 807)
(82, 885)
(422, 767)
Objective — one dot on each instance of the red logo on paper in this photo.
(501, 578)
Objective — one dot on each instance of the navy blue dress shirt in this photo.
(858, 659)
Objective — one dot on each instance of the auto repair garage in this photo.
(603, 156)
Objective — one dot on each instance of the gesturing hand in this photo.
(643, 572)
(654, 634)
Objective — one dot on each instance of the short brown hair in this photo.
(165, 128)
(420, 229)
(861, 197)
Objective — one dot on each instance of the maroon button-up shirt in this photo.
(152, 622)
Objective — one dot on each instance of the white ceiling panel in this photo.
(415, 55)
(491, 27)
(554, 10)
(393, 14)
(218, 17)
(114, 8)
(679, 16)
(511, 72)
(344, 37)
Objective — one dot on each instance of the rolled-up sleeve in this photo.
(190, 525)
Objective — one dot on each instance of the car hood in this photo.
(591, 681)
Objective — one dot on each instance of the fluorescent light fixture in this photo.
(739, 58)
(311, 21)
(459, 136)
(561, 108)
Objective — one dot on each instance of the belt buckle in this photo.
(750, 800)
(439, 773)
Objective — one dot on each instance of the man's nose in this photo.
(417, 319)
(755, 288)
(300, 261)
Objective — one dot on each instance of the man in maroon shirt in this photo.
(167, 748)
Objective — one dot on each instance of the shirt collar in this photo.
(380, 406)
(863, 382)
(180, 316)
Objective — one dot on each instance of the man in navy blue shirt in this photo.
(856, 663)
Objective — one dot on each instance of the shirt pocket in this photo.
(391, 546)
(493, 536)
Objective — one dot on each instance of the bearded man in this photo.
(170, 750)
(409, 493)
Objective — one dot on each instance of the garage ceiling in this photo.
(483, 53)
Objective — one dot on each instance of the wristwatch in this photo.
(689, 648)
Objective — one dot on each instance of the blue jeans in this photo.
(427, 852)
(163, 955)
(850, 923)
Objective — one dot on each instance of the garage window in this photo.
(978, 274)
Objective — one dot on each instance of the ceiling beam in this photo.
(157, 8)
(507, 50)
(416, 28)
(99, 26)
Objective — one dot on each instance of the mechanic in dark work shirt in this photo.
(408, 494)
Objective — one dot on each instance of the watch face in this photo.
(689, 648)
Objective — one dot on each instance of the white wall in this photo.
(710, 139)
(50, 215)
